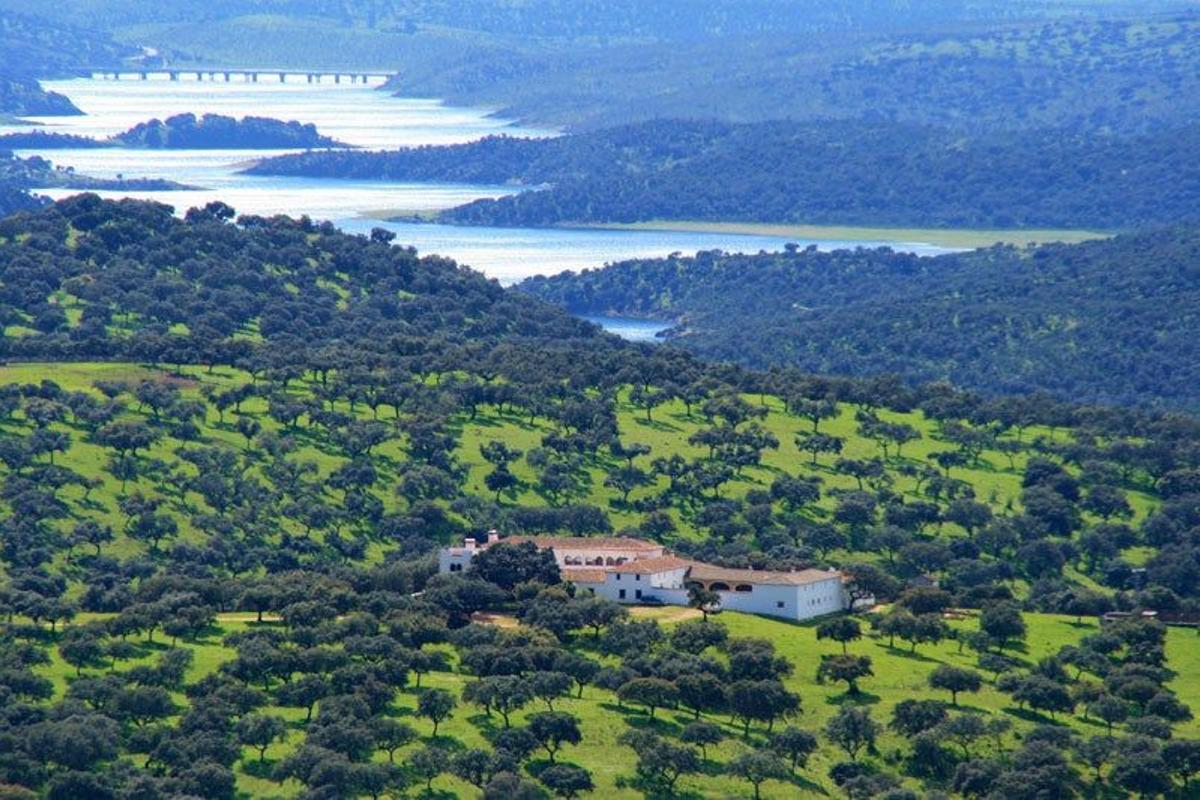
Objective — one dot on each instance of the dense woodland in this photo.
(841, 173)
(219, 511)
(1105, 321)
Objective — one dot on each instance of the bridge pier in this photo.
(246, 75)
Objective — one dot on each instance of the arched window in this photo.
(743, 587)
(719, 586)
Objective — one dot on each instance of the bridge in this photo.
(243, 75)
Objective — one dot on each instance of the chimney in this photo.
(493, 536)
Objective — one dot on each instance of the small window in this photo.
(779, 604)
(456, 567)
(638, 594)
(637, 577)
(618, 576)
(621, 594)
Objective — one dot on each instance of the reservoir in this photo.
(362, 116)
(635, 330)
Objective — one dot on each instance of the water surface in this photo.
(364, 117)
(635, 330)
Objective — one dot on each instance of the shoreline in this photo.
(940, 237)
(963, 238)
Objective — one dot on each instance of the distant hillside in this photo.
(840, 173)
(35, 172)
(583, 20)
(24, 97)
(1109, 321)
(1102, 75)
(966, 64)
(32, 48)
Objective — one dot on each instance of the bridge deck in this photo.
(246, 74)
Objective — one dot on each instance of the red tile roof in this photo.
(651, 566)
(707, 572)
(585, 542)
(584, 575)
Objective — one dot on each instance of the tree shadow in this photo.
(536, 766)
(654, 791)
(1079, 625)
(480, 421)
(488, 726)
(437, 794)
(656, 425)
(259, 769)
(901, 652)
(1029, 715)
(444, 741)
(809, 786)
(658, 725)
(91, 504)
(860, 699)
(1091, 722)
(684, 718)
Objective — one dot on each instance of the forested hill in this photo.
(33, 48)
(87, 278)
(832, 172)
(1110, 321)
(21, 96)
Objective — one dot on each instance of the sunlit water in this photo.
(635, 330)
(358, 115)
(364, 117)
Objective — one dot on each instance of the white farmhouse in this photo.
(636, 572)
